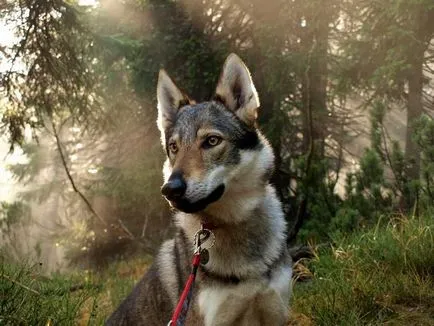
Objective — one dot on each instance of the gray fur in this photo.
(247, 278)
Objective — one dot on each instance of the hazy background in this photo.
(346, 90)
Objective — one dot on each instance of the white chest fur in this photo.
(248, 302)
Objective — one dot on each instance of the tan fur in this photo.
(191, 162)
(262, 307)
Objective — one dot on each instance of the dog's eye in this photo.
(212, 141)
(173, 148)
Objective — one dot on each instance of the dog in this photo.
(217, 175)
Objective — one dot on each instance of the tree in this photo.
(49, 66)
(387, 48)
(69, 82)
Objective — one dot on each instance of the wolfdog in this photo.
(217, 175)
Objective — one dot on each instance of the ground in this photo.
(380, 276)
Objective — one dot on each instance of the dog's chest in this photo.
(219, 302)
(211, 299)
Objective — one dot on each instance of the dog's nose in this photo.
(174, 188)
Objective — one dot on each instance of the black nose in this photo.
(174, 188)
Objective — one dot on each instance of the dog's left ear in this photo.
(236, 91)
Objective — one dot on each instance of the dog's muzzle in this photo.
(174, 190)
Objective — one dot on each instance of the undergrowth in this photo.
(27, 297)
(381, 276)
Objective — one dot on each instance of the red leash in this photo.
(180, 314)
(184, 300)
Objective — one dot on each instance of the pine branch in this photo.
(68, 173)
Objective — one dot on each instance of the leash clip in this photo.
(201, 237)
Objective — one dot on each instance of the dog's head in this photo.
(213, 148)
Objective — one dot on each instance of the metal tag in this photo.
(204, 257)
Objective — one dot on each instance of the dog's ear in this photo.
(236, 91)
(170, 99)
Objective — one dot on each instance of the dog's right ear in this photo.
(170, 99)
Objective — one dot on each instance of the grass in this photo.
(383, 276)
(27, 297)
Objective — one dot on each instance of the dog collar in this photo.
(209, 226)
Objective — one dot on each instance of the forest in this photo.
(347, 102)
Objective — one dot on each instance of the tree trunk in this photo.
(318, 85)
(414, 111)
(423, 33)
(424, 30)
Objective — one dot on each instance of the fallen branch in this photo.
(301, 252)
(20, 284)
(126, 229)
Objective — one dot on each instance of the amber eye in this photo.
(173, 148)
(212, 141)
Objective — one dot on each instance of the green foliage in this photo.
(26, 172)
(398, 166)
(347, 220)
(371, 173)
(323, 203)
(175, 42)
(424, 137)
(12, 214)
(377, 133)
(48, 67)
(367, 192)
(382, 275)
(366, 199)
(388, 35)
